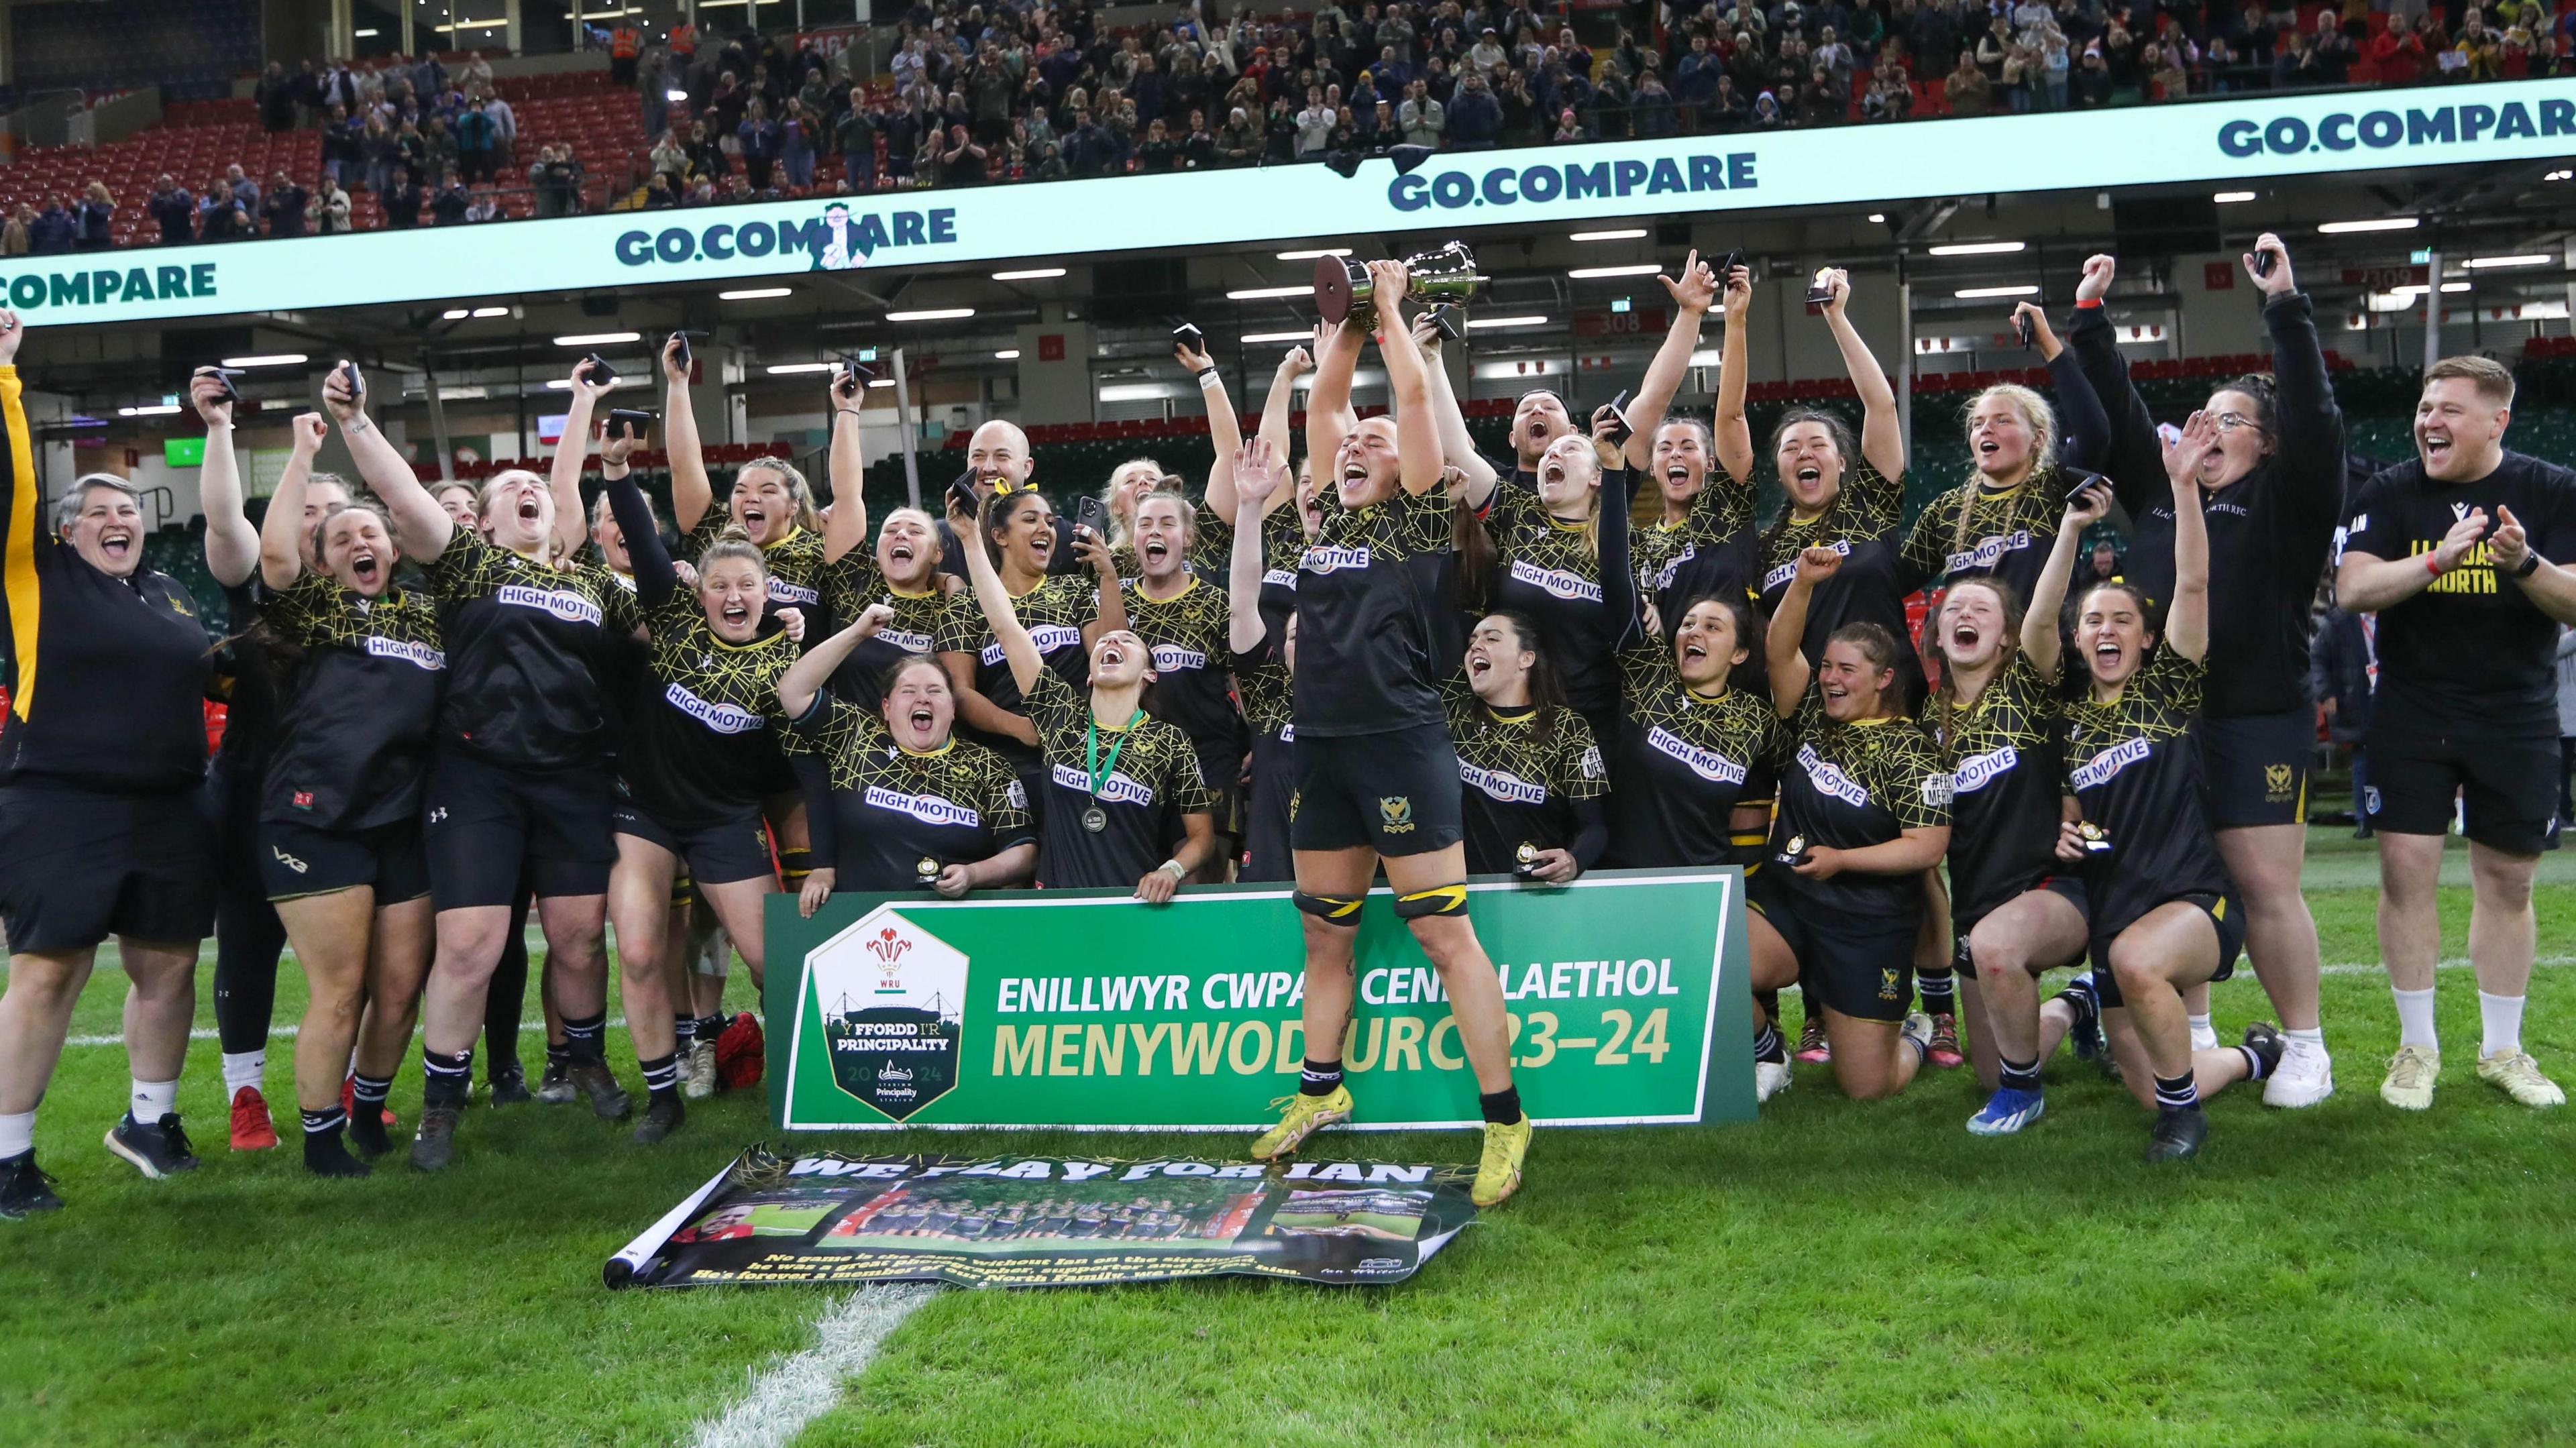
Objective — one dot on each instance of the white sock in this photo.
(17, 1134)
(2312, 1036)
(2201, 1031)
(2415, 1018)
(154, 1100)
(244, 1068)
(2502, 1017)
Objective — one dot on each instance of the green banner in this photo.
(1089, 1010)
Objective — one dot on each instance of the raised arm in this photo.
(420, 525)
(281, 544)
(1732, 435)
(1618, 573)
(1259, 471)
(2040, 641)
(2310, 448)
(1784, 647)
(1276, 408)
(2131, 456)
(812, 672)
(847, 527)
(1417, 432)
(1328, 402)
(2187, 620)
(563, 480)
(2083, 428)
(1018, 649)
(1455, 441)
(691, 493)
(232, 545)
(1225, 429)
(655, 579)
(1693, 294)
(1882, 443)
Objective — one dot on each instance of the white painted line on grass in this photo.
(275, 1033)
(798, 1388)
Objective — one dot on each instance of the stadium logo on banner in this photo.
(890, 997)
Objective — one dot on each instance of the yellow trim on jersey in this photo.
(26, 607)
(790, 536)
(926, 753)
(906, 593)
(1499, 717)
(1881, 719)
(1189, 581)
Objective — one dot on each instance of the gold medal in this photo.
(927, 868)
(2095, 841)
(1794, 852)
(1526, 855)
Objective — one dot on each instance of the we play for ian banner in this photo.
(1626, 992)
(1032, 1221)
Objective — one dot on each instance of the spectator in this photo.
(483, 205)
(759, 138)
(1314, 125)
(1423, 120)
(796, 144)
(174, 209)
(244, 189)
(2166, 79)
(401, 204)
(285, 206)
(1475, 117)
(1568, 128)
(856, 139)
(377, 153)
(54, 231)
(1158, 152)
(447, 207)
(659, 193)
(96, 214)
(2092, 83)
(963, 161)
(275, 98)
(329, 209)
(16, 237)
(1239, 144)
(478, 143)
(1198, 148)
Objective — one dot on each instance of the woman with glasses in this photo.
(2271, 487)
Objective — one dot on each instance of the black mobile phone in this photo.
(1619, 410)
(225, 375)
(858, 369)
(962, 493)
(1819, 292)
(349, 379)
(596, 371)
(1189, 336)
(636, 423)
(2022, 327)
(1734, 259)
(682, 337)
(1092, 514)
(1451, 321)
(2265, 258)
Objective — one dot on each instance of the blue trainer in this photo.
(2008, 1112)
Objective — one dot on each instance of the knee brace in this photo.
(1438, 900)
(794, 866)
(1342, 910)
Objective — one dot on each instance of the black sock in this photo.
(1767, 1045)
(558, 1056)
(1503, 1107)
(2257, 1066)
(325, 1154)
(368, 1093)
(710, 1029)
(683, 1026)
(446, 1079)
(2080, 998)
(661, 1076)
(585, 1038)
(1939, 992)
(1769, 1003)
(2178, 1093)
(2015, 1075)
(1320, 1078)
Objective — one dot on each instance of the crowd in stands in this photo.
(974, 94)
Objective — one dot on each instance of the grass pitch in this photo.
(1836, 1273)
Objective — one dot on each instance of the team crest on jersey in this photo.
(2276, 782)
(1886, 984)
(1395, 812)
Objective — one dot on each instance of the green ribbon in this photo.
(1100, 771)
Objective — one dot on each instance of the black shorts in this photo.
(1860, 965)
(2069, 887)
(720, 854)
(79, 865)
(2222, 911)
(488, 827)
(2509, 787)
(1221, 769)
(1266, 852)
(2254, 768)
(1396, 793)
(296, 860)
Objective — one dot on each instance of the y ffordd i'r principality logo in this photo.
(891, 997)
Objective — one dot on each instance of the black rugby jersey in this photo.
(2471, 654)
(1186, 634)
(524, 643)
(1054, 613)
(1268, 705)
(1849, 786)
(1861, 525)
(1521, 790)
(2269, 532)
(2010, 531)
(2135, 766)
(850, 588)
(1155, 782)
(1550, 575)
(1373, 620)
(2006, 783)
(698, 742)
(886, 809)
(1685, 763)
(251, 674)
(107, 676)
(798, 577)
(353, 746)
(1709, 552)
(1283, 548)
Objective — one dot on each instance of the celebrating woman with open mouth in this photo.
(1058, 611)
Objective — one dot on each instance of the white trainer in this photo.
(2411, 1073)
(2304, 1077)
(698, 1071)
(2519, 1076)
(1770, 1078)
